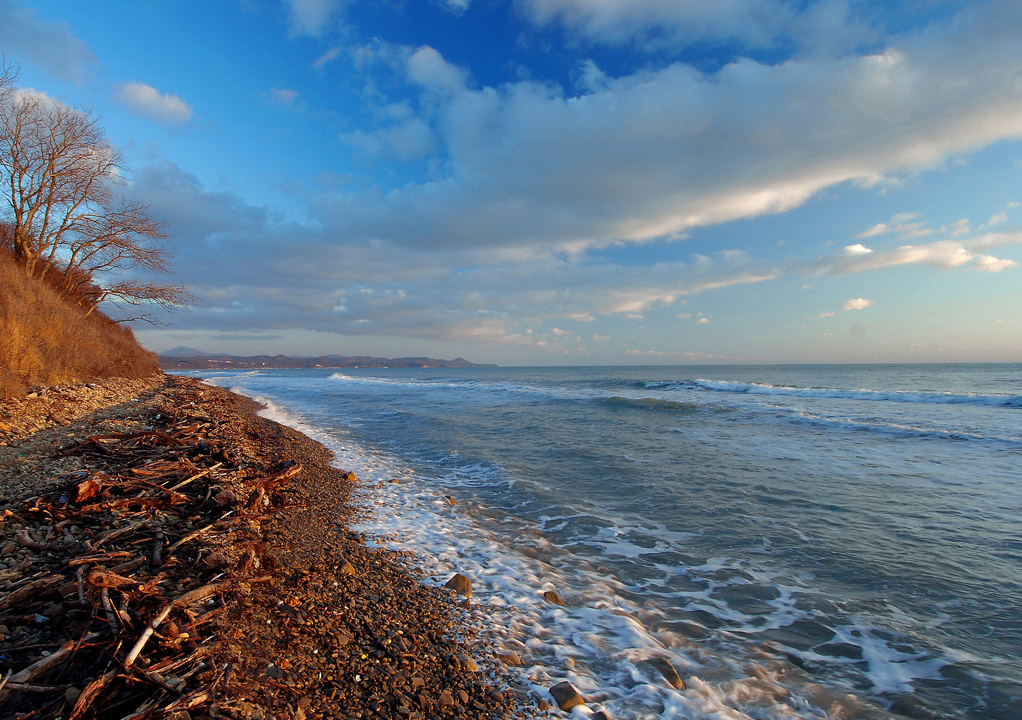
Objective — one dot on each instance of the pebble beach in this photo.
(127, 497)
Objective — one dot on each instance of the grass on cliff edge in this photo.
(45, 339)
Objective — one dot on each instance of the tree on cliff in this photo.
(68, 221)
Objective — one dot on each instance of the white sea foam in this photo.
(602, 641)
(901, 396)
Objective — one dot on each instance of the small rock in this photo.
(450, 500)
(446, 699)
(460, 584)
(566, 695)
(71, 695)
(464, 696)
(395, 481)
(9, 548)
(600, 715)
(551, 596)
(216, 560)
(509, 658)
(345, 567)
(467, 663)
(349, 477)
(669, 672)
(226, 498)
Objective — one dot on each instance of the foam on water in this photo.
(600, 641)
(814, 519)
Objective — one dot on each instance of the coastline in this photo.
(309, 620)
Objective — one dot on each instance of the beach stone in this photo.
(349, 477)
(601, 715)
(566, 696)
(446, 699)
(551, 596)
(669, 672)
(450, 500)
(345, 567)
(9, 548)
(509, 658)
(71, 695)
(467, 663)
(460, 584)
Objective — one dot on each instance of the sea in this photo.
(797, 541)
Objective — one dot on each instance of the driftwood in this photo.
(187, 599)
(28, 591)
(141, 527)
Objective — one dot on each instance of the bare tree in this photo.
(61, 178)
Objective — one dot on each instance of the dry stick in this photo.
(190, 536)
(38, 668)
(186, 599)
(84, 559)
(104, 597)
(117, 532)
(89, 694)
(193, 478)
(158, 548)
(29, 590)
(168, 666)
(3, 681)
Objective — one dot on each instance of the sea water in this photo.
(798, 541)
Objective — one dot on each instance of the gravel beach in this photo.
(126, 501)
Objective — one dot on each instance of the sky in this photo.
(565, 182)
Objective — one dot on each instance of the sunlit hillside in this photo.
(47, 339)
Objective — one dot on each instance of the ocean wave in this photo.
(650, 403)
(901, 430)
(899, 396)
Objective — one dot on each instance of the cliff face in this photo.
(47, 339)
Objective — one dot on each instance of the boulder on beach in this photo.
(566, 696)
(669, 672)
(551, 596)
(509, 658)
(460, 584)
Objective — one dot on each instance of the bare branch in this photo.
(60, 180)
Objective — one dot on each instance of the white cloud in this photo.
(284, 96)
(662, 151)
(961, 227)
(145, 100)
(857, 249)
(943, 254)
(856, 304)
(310, 17)
(703, 321)
(755, 22)
(878, 229)
(327, 57)
(428, 68)
(826, 315)
(52, 46)
(403, 141)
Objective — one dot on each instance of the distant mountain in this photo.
(183, 358)
(184, 352)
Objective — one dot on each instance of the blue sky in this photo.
(566, 181)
